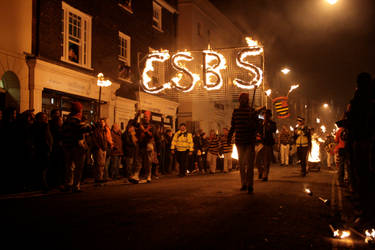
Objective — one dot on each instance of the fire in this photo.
(234, 152)
(345, 234)
(101, 82)
(317, 120)
(314, 153)
(254, 50)
(252, 43)
(308, 191)
(291, 128)
(370, 236)
(268, 92)
(321, 140)
(155, 56)
(293, 87)
(323, 128)
(214, 62)
(178, 65)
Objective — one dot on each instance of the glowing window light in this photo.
(155, 56)
(211, 70)
(177, 65)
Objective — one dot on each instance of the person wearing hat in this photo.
(267, 131)
(245, 124)
(302, 136)
(72, 138)
(183, 146)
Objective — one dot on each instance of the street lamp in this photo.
(285, 71)
(101, 83)
(325, 105)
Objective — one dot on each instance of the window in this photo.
(124, 48)
(76, 31)
(156, 18)
(126, 5)
(124, 72)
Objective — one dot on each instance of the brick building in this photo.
(65, 44)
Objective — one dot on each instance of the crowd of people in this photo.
(56, 153)
(42, 154)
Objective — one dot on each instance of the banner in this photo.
(281, 107)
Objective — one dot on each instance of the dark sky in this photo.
(325, 45)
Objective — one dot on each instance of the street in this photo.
(196, 212)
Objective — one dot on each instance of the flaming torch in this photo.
(323, 128)
(293, 87)
(314, 155)
(370, 236)
(234, 152)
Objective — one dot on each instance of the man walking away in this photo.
(182, 146)
(268, 128)
(245, 124)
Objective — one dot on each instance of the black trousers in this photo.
(302, 156)
(182, 159)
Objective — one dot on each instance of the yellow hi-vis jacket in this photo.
(182, 141)
(302, 137)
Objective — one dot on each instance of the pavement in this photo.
(194, 212)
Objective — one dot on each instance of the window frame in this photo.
(128, 7)
(158, 8)
(126, 59)
(85, 39)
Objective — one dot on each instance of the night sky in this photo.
(325, 45)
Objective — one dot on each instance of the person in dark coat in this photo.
(267, 131)
(73, 146)
(116, 152)
(245, 124)
(42, 141)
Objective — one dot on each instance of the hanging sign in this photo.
(281, 107)
(211, 72)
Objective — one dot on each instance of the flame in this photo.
(177, 58)
(314, 153)
(234, 152)
(277, 131)
(323, 128)
(291, 128)
(155, 56)
(268, 92)
(252, 43)
(285, 71)
(321, 140)
(101, 82)
(255, 49)
(308, 191)
(370, 236)
(336, 233)
(317, 120)
(345, 234)
(213, 71)
(293, 87)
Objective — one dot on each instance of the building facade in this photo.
(63, 45)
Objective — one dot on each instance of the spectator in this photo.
(284, 146)
(226, 148)
(213, 151)
(117, 151)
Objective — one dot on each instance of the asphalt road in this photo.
(195, 212)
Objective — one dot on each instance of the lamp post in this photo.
(101, 83)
